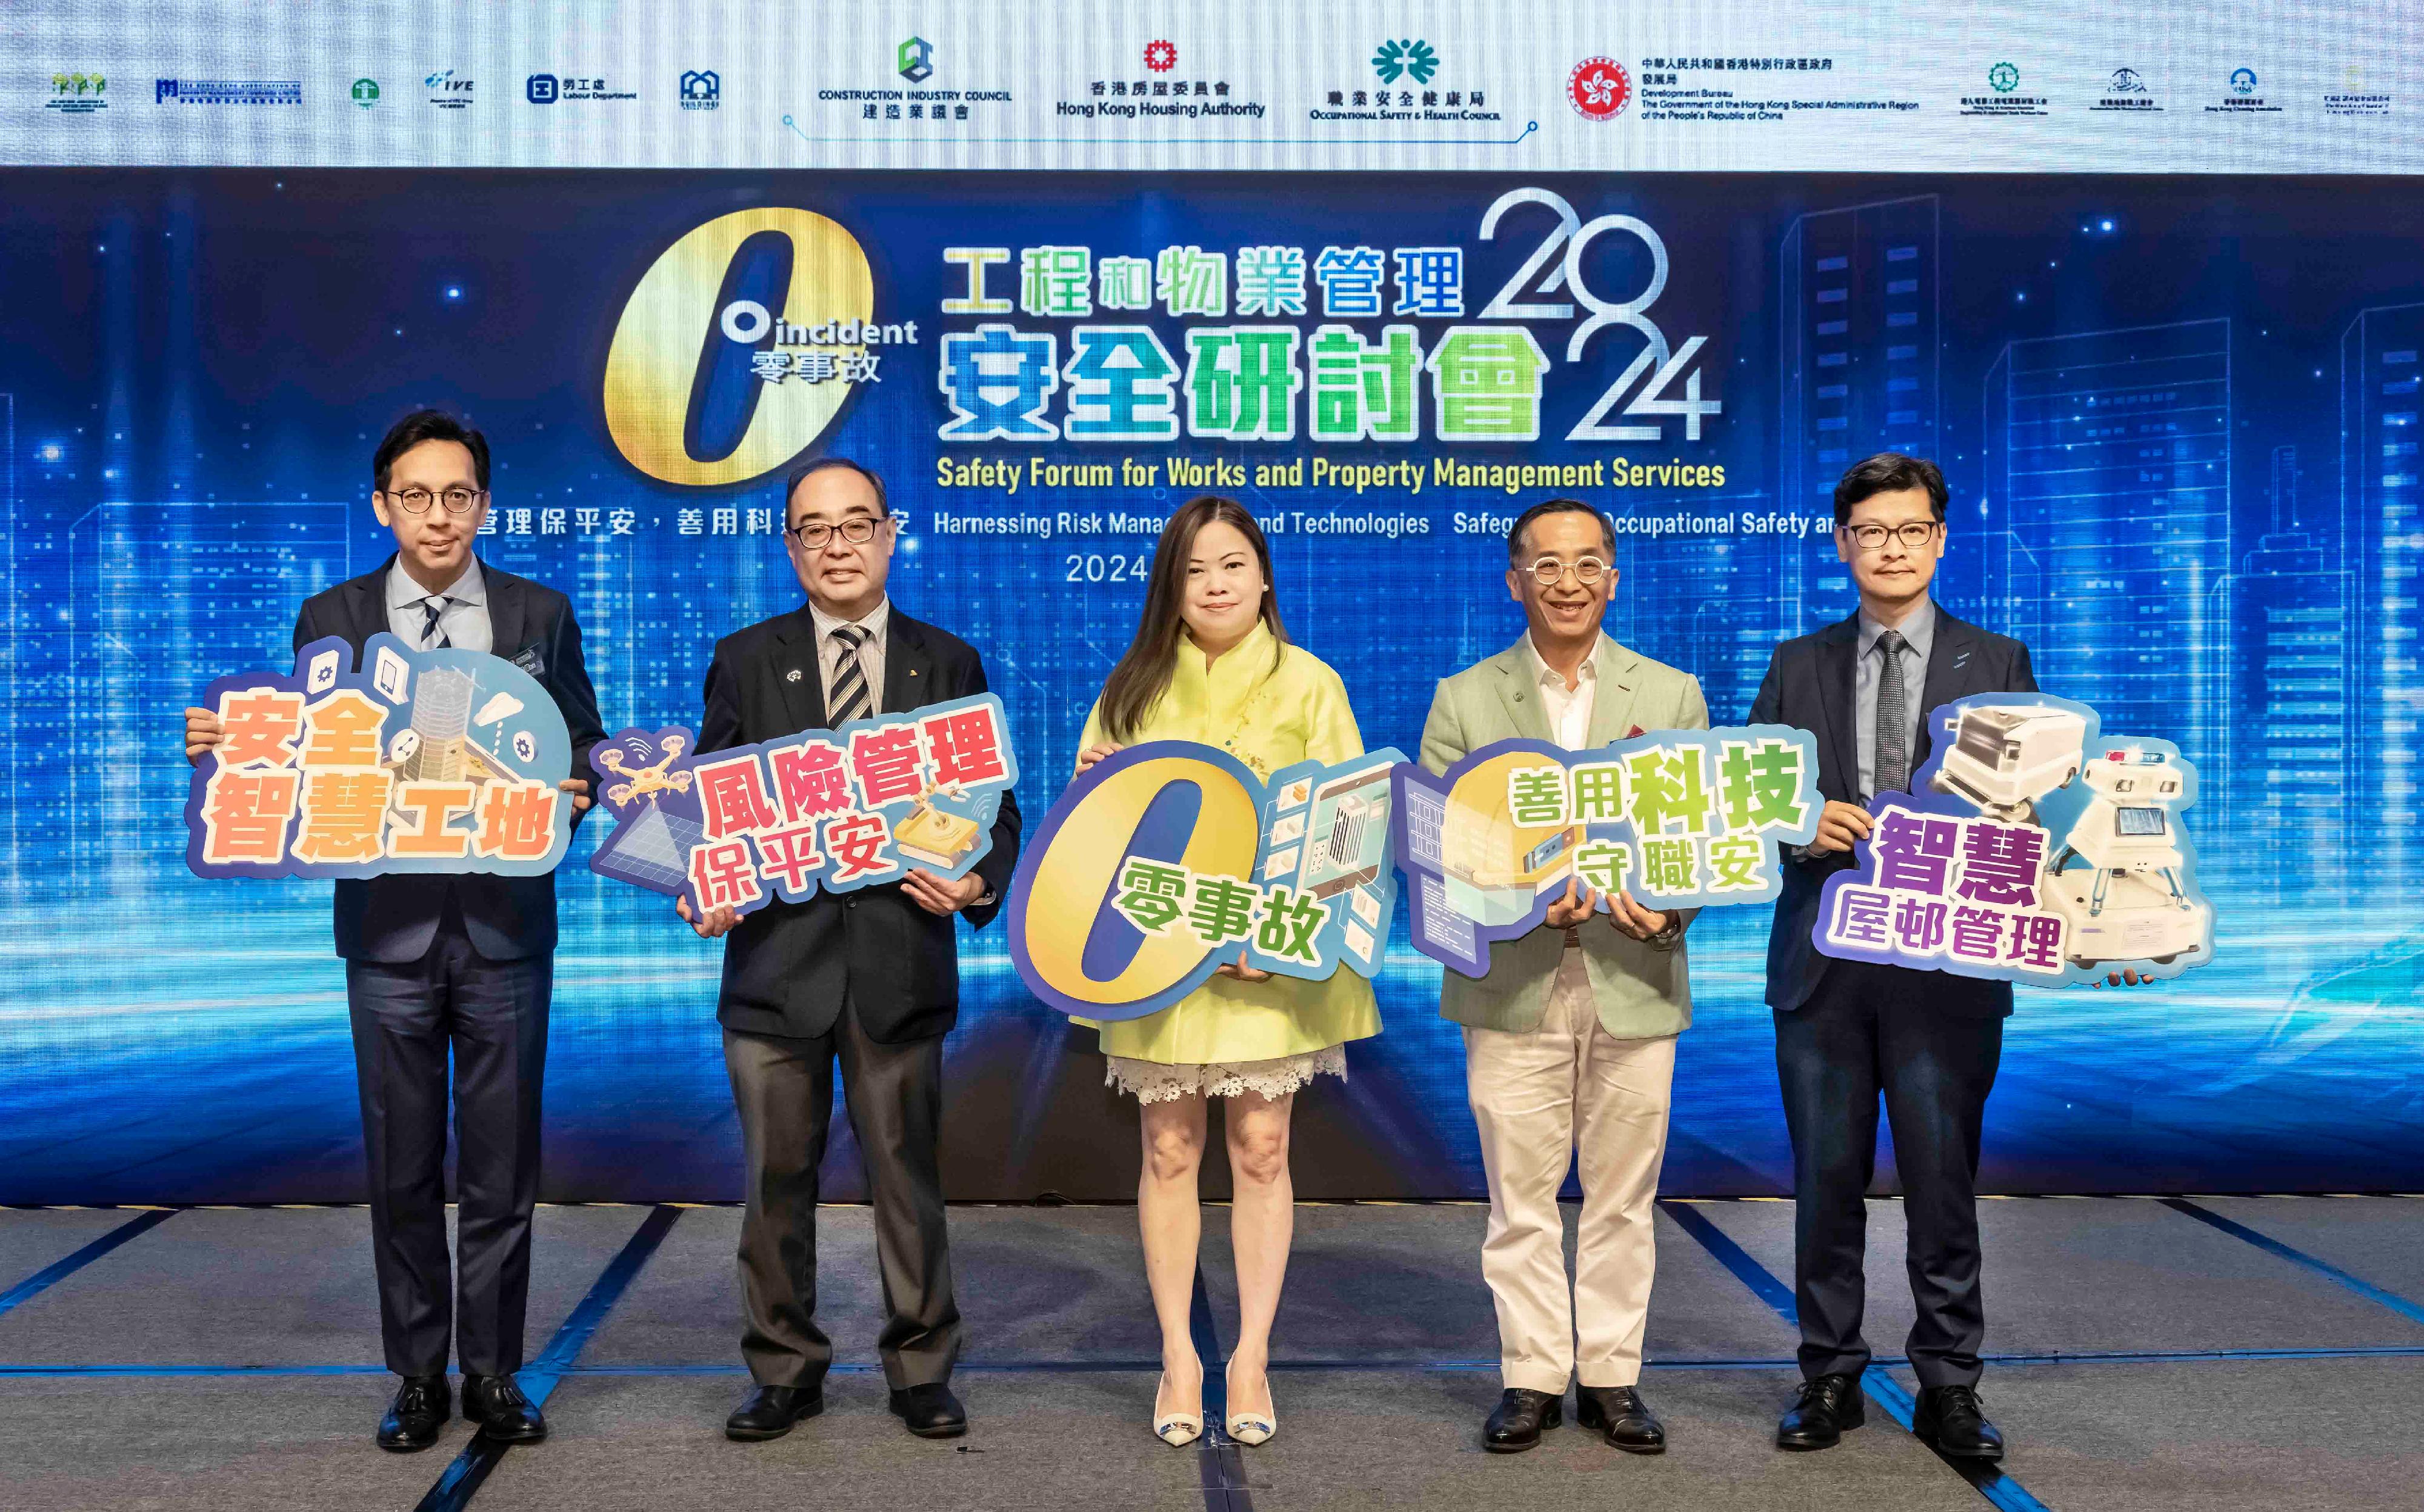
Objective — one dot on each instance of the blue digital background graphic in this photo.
(2179, 416)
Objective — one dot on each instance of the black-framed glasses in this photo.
(1548, 572)
(417, 501)
(858, 530)
(1911, 533)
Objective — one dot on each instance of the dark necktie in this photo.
(849, 698)
(1893, 722)
(432, 638)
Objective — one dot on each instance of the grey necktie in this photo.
(1893, 724)
(849, 699)
(433, 638)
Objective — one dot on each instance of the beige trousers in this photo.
(1537, 1098)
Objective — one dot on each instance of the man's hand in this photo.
(1238, 971)
(1839, 826)
(579, 789)
(936, 895)
(1571, 910)
(1631, 918)
(202, 732)
(1093, 753)
(2115, 978)
(717, 924)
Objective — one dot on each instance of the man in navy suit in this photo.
(1846, 1030)
(438, 963)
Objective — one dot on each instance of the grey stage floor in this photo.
(2222, 1353)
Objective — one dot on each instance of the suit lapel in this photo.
(1838, 700)
(1520, 693)
(508, 612)
(797, 672)
(365, 602)
(908, 670)
(1616, 672)
(1952, 667)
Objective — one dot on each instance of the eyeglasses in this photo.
(813, 537)
(417, 501)
(1912, 535)
(1548, 572)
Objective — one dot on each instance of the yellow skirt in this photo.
(1226, 1021)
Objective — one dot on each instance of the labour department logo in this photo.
(541, 90)
(1407, 59)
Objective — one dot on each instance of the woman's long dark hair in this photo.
(1143, 674)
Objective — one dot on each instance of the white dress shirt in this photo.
(1570, 719)
(464, 619)
(876, 622)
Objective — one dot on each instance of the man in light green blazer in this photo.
(1569, 1040)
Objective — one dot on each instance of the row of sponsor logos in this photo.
(1407, 83)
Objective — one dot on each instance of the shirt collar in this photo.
(1918, 629)
(1254, 650)
(1547, 675)
(470, 588)
(874, 621)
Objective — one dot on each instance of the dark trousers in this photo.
(784, 1089)
(1872, 1029)
(492, 1015)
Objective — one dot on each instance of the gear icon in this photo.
(1160, 56)
(2004, 77)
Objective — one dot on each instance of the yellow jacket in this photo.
(1269, 718)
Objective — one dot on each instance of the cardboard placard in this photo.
(822, 810)
(421, 761)
(2034, 849)
(1168, 858)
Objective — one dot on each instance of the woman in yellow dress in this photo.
(1211, 664)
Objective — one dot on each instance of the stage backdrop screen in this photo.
(2178, 413)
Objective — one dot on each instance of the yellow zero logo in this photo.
(671, 319)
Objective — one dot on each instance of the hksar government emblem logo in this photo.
(1599, 88)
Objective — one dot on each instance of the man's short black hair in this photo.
(1556, 506)
(428, 425)
(800, 475)
(1889, 473)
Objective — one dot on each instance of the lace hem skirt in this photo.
(1150, 1082)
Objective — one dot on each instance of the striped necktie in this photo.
(432, 637)
(849, 698)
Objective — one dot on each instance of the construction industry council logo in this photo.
(1599, 88)
(720, 373)
(916, 59)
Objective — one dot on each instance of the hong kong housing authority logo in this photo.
(1407, 59)
(701, 90)
(1599, 88)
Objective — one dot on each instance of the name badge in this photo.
(530, 660)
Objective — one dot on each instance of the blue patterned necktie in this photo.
(433, 638)
(1894, 723)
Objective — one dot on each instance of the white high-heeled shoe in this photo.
(1251, 1429)
(1176, 1430)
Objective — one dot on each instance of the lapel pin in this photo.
(792, 676)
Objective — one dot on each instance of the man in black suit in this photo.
(868, 978)
(1847, 1030)
(435, 963)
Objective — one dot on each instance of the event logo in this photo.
(1160, 56)
(701, 90)
(698, 387)
(2004, 77)
(915, 60)
(228, 91)
(541, 90)
(447, 92)
(77, 94)
(1599, 88)
(366, 93)
(1397, 60)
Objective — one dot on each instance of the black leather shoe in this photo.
(496, 1403)
(1516, 1421)
(421, 1405)
(931, 1410)
(1829, 1408)
(772, 1410)
(1620, 1415)
(1948, 1418)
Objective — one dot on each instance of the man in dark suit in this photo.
(435, 963)
(870, 979)
(1847, 1030)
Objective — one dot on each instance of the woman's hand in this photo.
(1094, 753)
(1238, 971)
